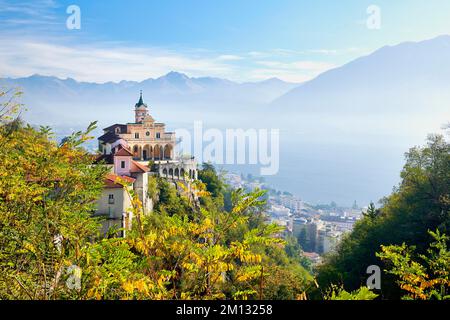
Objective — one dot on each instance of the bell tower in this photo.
(141, 110)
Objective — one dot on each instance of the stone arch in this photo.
(146, 152)
(136, 151)
(190, 173)
(165, 172)
(151, 154)
(157, 152)
(177, 173)
(168, 151)
(182, 173)
(171, 173)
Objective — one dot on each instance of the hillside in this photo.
(52, 100)
(406, 78)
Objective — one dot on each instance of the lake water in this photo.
(341, 159)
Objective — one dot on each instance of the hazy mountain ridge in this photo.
(349, 126)
(49, 99)
(409, 77)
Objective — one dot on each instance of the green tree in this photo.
(303, 239)
(371, 212)
(48, 192)
(182, 250)
(363, 293)
(168, 198)
(424, 277)
(214, 183)
(10, 107)
(420, 203)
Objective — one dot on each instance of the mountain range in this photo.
(52, 100)
(412, 77)
(406, 78)
(342, 134)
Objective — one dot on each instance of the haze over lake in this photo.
(343, 134)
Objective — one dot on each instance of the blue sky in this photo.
(246, 40)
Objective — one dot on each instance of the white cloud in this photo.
(317, 66)
(229, 57)
(29, 17)
(102, 62)
(31, 9)
(293, 71)
(35, 7)
(258, 54)
(286, 75)
(295, 53)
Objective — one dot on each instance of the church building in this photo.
(134, 152)
(147, 139)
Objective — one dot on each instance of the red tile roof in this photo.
(111, 180)
(137, 167)
(124, 152)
